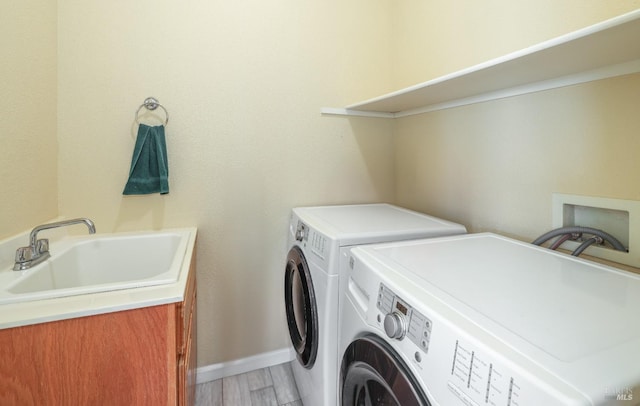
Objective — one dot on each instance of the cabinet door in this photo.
(187, 364)
(186, 342)
(122, 358)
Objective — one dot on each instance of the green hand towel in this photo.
(149, 168)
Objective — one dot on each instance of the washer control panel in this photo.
(401, 320)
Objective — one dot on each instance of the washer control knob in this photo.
(394, 325)
(301, 231)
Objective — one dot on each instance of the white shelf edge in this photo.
(569, 80)
(615, 69)
(335, 111)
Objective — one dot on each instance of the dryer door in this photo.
(300, 303)
(373, 374)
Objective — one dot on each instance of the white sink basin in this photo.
(101, 262)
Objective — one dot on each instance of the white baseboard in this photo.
(221, 370)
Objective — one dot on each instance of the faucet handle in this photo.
(24, 254)
(42, 246)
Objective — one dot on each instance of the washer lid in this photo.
(569, 308)
(370, 223)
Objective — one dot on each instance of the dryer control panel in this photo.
(402, 320)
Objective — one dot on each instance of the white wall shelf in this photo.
(607, 49)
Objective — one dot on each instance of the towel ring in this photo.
(151, 103)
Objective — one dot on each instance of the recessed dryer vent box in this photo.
(620, 218)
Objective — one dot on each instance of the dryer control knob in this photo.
(394, 325)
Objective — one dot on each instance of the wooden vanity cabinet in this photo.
(144, 356)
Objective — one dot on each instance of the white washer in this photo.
(317, 237)
(485, 320)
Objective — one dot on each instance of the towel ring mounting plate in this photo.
(151, 103)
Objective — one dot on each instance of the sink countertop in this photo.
(45, 310)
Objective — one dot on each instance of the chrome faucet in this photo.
(38, 250)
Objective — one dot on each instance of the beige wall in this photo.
(244, 82)
(437, 37)
(28, 147)
(494, 166)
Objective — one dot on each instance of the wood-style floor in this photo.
(273, 386)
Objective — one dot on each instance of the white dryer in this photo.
(318, 236)
(485, 320)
